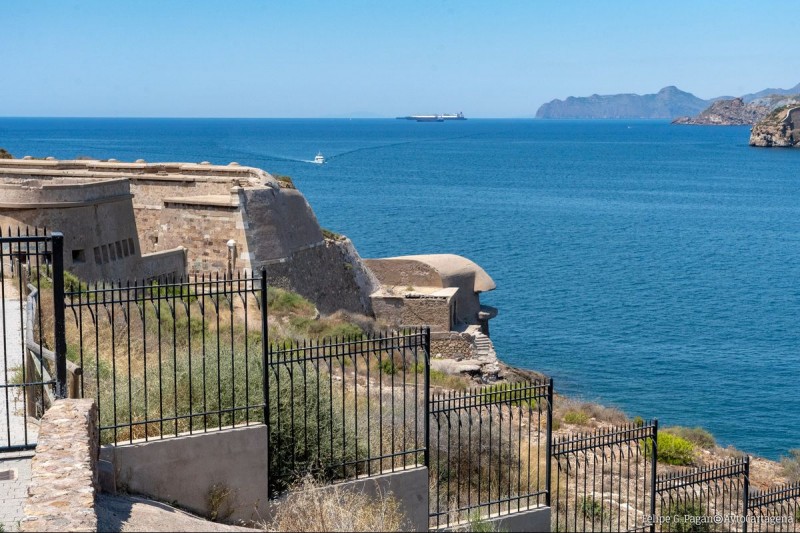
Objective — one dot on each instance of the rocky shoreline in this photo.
(781, 128)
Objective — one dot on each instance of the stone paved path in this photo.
(14, 492)
(12, 424)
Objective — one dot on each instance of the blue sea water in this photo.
(647, 266)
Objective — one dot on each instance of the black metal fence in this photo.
(30, 376)
(692, 499)
(604, 480)
(776, 509)
(489, 451)
(167, 358)
(346, 407)
(163, 359)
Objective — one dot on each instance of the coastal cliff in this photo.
(780, 128)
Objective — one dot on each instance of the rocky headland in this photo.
(739, 111)
(727, 113)
(669, 102)
(779, 128)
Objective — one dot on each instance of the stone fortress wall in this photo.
(140, 221)
(96, 217)
(147, 220)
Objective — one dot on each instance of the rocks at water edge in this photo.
(780, 128)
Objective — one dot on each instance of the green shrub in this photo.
(506, 394)
(685, 517)
(576, 417)
(388, 367)
(697, 436)
(304, 422)
(592, 509)
(328, 234)
(480, 525)
(638, 421)
(791, 465)
(672, 450)
(445, 380)
(285, 181)
(280, 301)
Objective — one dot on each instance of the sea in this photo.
(651, 267)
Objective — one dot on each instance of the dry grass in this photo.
(314, 507)
(585, 414)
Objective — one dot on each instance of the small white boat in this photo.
(319, 159)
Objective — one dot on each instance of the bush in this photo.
(672, 450)
(697, 435)
(576, 417)
(592, 509)
(280, 301)
(312, 507)
(505, 393)
(791, 465)
(304, 420)
(447, 381)
(685, 517)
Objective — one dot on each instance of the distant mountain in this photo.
(669, 102)
(769, 92)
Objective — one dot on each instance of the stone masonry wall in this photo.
(322, 274)
(434, 312)
(451, 345)
(204, 231)
(63, 471)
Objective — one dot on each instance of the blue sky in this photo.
(258, 58)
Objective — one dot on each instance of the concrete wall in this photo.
(169, 264)
(63, 471)
(186, 470)
(408, 487)
(524, 520)
(535, 519)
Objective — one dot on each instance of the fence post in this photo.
(427, 393)
(653, 474)
(746, 492)
(264, 355)
(264, 344)
(548, 471)
(59, 312)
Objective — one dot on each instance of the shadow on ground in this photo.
(132, 513)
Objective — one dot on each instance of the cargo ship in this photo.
(435, 118)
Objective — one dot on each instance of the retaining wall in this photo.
(64, 470)
(220, 472)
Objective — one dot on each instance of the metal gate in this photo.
(32, 328)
